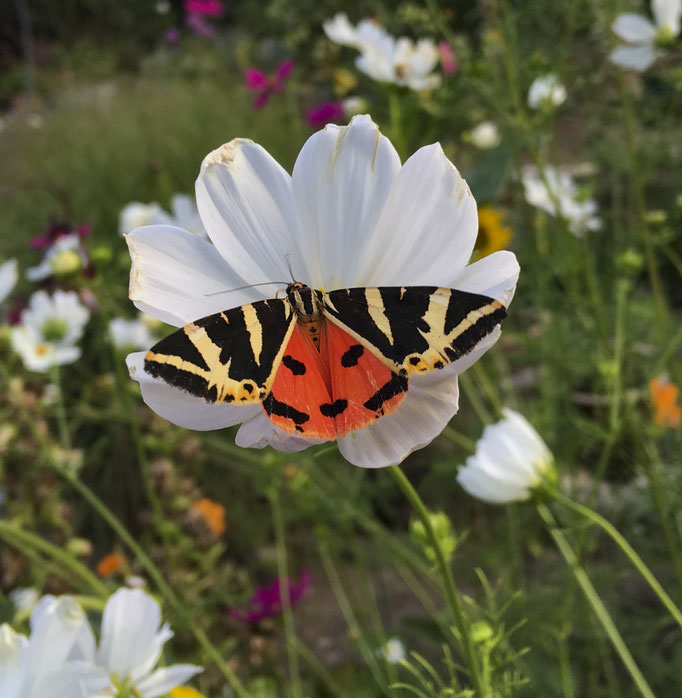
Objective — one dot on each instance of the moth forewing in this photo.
(414, 329)
(228, 357)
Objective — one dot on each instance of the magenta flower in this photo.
(448, 61)
(266, 602)
(55, 231)
(204, 8)
(266, 85)
(325, 113)
(172, 36)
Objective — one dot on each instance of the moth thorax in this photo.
(305, 301)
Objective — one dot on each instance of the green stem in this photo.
(480, 688)
(283, 574)
(640, 210)
(595, 602)
(166, 591)
(10, 530)
(627, 549)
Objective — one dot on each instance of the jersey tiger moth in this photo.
(324, 364)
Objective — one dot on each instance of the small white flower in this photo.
(9, 275)
(643, 36)
(546, 91)
(42, 666)
(49, 330)
(129, 333)
(62, 258)
(136, 215)
(385, 58)
(130, 646)
(558, 194)
(393, 651)
(354, 105)
(350, 215)
(24, 598)
(510, 460)
(486, 135)
(184, 214)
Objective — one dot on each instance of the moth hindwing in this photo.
(414, 329)
(229, 357)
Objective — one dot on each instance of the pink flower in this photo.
(447, 58)
(172, 36)
(266, 602)
(266, 85)
(325, 113)
(199, 26)
(55, 231)
(204, 8)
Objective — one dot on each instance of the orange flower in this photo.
(213, 513)
(493, 235)
(664, 396)
(111, 563)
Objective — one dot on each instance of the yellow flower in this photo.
(185, 692)
(493, 235)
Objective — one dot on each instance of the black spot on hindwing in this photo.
(273, 406)
(352, 355)
(396, 385)
(296, 367)
(334, 409)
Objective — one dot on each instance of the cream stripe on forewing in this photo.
(255, 331)
(377, 311)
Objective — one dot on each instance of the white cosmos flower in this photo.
(510, 460)
(9, 275)
(385, 58)
(24, 598)
(136, 214)
(130, 646)
(64, 256)
(486, 135)
(184, 214)
(393, 650)
(546, 90)
(42, 666)
(128, 333)
(558, 194)
(643, 36)
(49, 331)
(349, 216)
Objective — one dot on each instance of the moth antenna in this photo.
(241, 288)
(286, 256)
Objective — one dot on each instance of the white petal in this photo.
(428, 228)
(494, 276)
(173, 272)
(430, 403)
(637, 58)
(245, 202)
(634, 28)
(667, 14)
(341, 180)
(181, 408)
(9, 275)
(130, 632)
(259, 432)
(163, 680)
(340, 30)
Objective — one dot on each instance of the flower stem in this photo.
(18, 537)
(594, 601)
(166, 591)
(284, 590)
(627, 549)
(480, 688)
